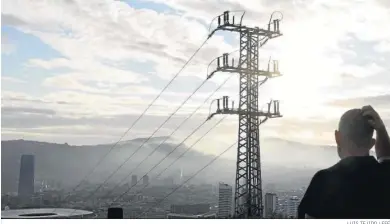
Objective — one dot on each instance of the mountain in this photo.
(284, 164)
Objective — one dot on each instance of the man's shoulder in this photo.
(320, 176)
(385, 167)
(355, 165)
(330, 171)
(385, 162)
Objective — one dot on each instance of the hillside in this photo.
(284, 163)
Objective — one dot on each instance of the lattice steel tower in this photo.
(248, 186)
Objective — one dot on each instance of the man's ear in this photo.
(373, 142)
(337, 137)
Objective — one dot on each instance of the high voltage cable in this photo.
(173, 132)
(143, 143)
(142, 114)
(173, 162)
(204, 167)
(189, 148)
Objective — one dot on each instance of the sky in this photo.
(81, 72)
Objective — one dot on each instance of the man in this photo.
(357, 186)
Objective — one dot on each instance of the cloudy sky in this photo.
(82, 71)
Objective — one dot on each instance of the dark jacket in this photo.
(354, 188)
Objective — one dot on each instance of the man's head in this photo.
(354, 136)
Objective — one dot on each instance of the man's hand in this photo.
(382, 145)
(373, 118)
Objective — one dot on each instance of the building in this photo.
(45, 213)
(270, 205)
(145, 180)
(133, 180)
(292, 207)
(26, 177)
(225, 200)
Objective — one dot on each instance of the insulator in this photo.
(218, 105)
(275, 25)
(225, 59)
(227, 102)
(232, 62)
(275, 66)
(275, 107)
(218, 63)
(269, 26)
(233, 20)
(219, 20)
(226, 17)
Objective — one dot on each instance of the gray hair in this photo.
(355, 128)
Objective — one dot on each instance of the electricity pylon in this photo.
(248, 186)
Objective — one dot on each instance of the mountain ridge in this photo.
(283, 162)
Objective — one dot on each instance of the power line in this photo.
(147, 140)
(143, 143)
(181, 155)
(139, 117)
(189, 148)
(173, 132)
(208, 164)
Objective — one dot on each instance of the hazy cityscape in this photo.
(203, 200)
(139, 195)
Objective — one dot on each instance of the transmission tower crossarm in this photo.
(225, 64)
(228, 23)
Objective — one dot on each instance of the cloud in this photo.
(381, 101)
(114, 59)
(10, 20)
(383, 46)
(128, 34)
(21, 110)
(11, 79)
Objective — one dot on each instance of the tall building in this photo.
(133, 180)
(225, 199)
(26, 176)
(270, 205)
(292, 207)
(145, 180)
